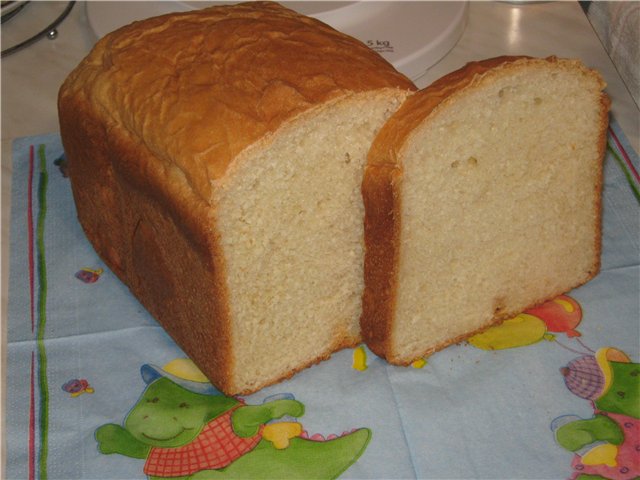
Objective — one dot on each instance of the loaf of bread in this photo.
(216, 159)
(483, 198)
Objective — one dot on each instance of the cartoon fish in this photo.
(89, 275)
(77, 387)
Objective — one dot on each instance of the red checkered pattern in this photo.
(215, 447)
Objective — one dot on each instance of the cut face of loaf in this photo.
(216, 159)
(483, 198)
(291, 219)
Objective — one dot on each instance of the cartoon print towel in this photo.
(97, 390)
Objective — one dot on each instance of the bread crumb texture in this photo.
(499, 197)
(293, 244)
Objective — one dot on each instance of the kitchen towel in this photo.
(86, 361)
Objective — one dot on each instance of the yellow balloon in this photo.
(519, 331)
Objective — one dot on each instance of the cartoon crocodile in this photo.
(607, 445)
(186, 429)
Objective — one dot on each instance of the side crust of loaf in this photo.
(383, 201)
(136, 231)
(382, 236)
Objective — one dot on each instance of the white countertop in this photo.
(31, 77)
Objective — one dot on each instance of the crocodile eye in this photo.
(153, 400)
(184, 405)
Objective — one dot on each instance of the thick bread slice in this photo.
(216, 159)
(483, 198)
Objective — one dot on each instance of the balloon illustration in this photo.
(562, 314)
(519, 331)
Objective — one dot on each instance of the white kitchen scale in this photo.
(412, 35)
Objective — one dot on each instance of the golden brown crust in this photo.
(153, 119)
(605, 106)
(202, 86)
(381, 230)
(137, 238)
(382, 199)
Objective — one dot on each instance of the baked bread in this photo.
(216, 159)
(483, 197)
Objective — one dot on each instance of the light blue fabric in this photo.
(468, 413)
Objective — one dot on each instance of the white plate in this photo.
(411, 35)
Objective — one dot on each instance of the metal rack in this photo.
(11, 9)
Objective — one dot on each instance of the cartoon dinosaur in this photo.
(186, 429)
(607, 446)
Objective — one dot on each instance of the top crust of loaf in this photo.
(197, 88)
(394, 135)
(381, 190)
